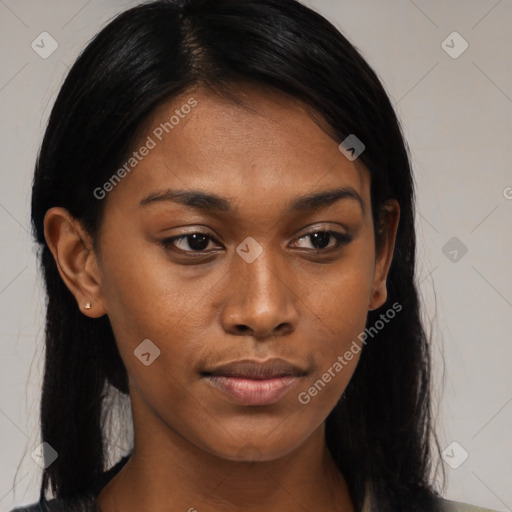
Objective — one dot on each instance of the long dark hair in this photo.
(380, 433)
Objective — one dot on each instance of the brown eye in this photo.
(196, 242)
(320, 239)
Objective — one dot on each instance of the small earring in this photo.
(87, 305)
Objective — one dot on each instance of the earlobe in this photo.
(74, 255)
(386, 236)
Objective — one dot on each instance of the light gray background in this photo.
(457, 118)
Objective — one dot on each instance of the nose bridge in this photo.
(261, 277)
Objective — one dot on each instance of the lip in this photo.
(252, 382)
(253, 391)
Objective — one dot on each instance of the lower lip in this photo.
(251, 391)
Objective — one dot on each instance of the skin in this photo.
(195, 449)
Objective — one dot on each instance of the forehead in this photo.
(269, 145)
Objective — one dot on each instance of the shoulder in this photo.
(457, 506)
(34, 507)
(83, 503)
(58, 505)
(87, 506)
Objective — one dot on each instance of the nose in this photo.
(261, 299)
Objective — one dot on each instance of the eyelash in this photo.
(341, 239)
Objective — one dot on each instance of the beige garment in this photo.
(457, 506)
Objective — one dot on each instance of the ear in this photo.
(75, 257)
(386, 236)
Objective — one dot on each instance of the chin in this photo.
(255, 451)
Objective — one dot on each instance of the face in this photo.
(257, 272)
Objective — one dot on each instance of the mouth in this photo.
(250, 382)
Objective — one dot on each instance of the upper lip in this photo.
(259, 370)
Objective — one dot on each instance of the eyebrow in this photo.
(212, 202)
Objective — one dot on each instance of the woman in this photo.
(225, 209)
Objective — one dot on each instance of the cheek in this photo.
(340, 299)
(338, 306)
(145, 294)
(150, 298)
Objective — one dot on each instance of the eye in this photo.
(195, 241)
(321, 239)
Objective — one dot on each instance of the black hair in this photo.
(380, 433)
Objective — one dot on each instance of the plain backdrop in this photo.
(456, 111)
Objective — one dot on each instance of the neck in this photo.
(167, 472)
